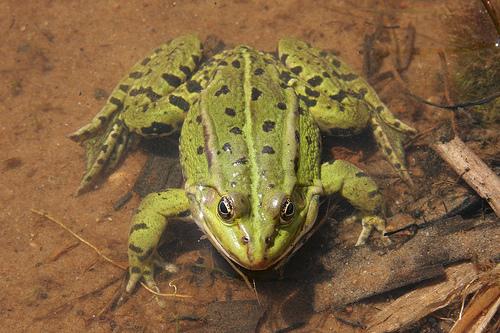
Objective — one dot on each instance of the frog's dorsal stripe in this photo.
(249, 143)
(270, 123)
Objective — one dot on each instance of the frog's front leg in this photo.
(149, 101)
(148, 225)
(359, 190)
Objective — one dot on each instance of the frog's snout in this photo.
(256, 256)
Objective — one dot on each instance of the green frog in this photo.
(249, 127)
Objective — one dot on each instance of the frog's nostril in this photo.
(269, 240)
(245, 239)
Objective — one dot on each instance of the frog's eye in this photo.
(287, 211)
(225, 208)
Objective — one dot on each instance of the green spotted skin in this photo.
(144, 103)
(249, 146)
(243, 138)
(147, 226)
(342, 102)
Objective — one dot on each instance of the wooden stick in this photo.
(418, 303)
(462, 280)
(476, 308)
(468, 165)
(99, 252)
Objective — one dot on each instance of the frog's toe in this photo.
(101, 120)
(84, 133)
(390, 140)
(135, 276)
(369, 223)
(125, 142)
(137, 273)
(104, 152)
(147, 275)
(389, 119)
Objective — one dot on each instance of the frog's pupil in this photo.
(225, 208)
(288, 209)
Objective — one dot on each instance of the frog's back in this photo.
(247, 132)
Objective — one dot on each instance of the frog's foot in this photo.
(370, 222)
(359, 190)
(142, 269)
(101, 120)
(105, 139)
(145, 270)
(390, 134)
(104, 150)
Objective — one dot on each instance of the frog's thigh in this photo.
(346, 118)
(359, 190)
(148, 225)
(156, 75)
(159, 118)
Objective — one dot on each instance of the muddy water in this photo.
(59, 60)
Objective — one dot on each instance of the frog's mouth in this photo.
(250, 264)
(265, 262)
(201, 221)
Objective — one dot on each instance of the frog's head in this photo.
(255, 235)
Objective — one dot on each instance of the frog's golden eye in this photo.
(287, 211)
(225, 208)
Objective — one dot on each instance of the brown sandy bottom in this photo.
(60, 59)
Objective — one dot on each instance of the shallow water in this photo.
(59, 62)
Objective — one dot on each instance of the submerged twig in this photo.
(457, 106)
(490, 8)
(411, 307)
(243, 276)
(99, 252)
(485, 305)
(468, 165)
(65, 305)
(446, 80)
(63, 251)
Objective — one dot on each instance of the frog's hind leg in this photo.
(341, 102)
(142, 104)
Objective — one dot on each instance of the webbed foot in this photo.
(104, 149)
(143, 269)
(370, 222)
(390, 134)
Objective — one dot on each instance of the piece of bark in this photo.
(467, 165)
(417, 304)
(352, 274)
(473, 319)
(482, 323)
